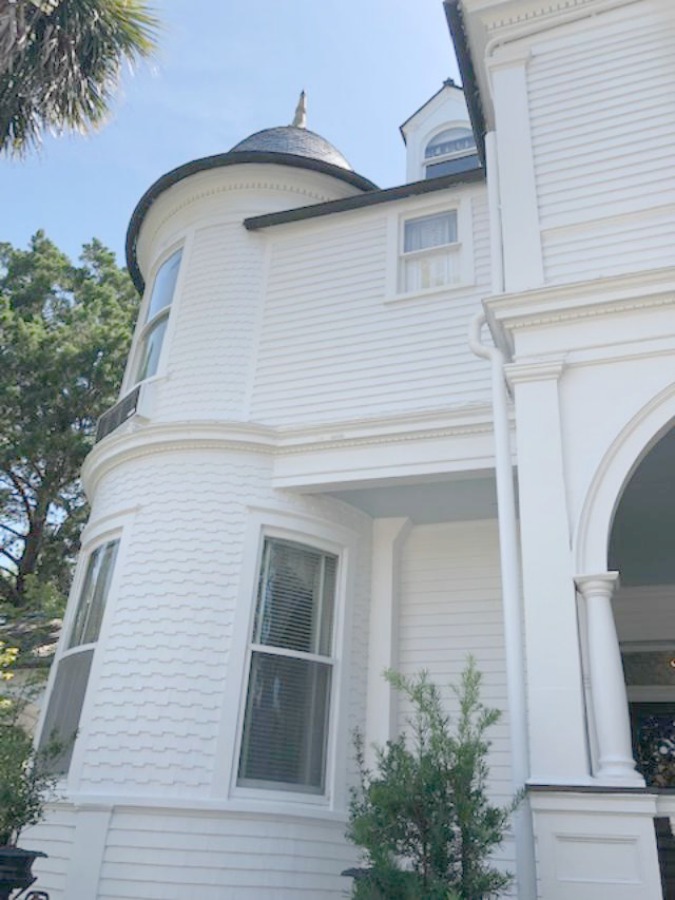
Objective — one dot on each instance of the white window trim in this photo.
(463, 207)
(110, 528)
(130, 381)
(343, 543)
(420, 161)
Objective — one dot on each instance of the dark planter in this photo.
(15, 870)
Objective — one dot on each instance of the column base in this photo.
(593, 846)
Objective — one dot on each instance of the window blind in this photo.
(288, 700)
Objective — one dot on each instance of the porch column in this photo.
(389, 536)
(608, 688)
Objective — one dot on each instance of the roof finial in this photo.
(300, 117)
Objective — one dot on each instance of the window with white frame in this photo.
(291, 671)
(62, 717)
(157, 317)
(430, 252)
(446, 147)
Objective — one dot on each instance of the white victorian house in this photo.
(363, 428)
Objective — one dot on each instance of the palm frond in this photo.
(60, 63)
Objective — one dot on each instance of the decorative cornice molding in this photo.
(194, 196)
(581, 300)
(136, 439)
(526, 14)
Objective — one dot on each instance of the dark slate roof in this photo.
(297, 141)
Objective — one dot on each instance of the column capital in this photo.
(534, 370)
(602, 583)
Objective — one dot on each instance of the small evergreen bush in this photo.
(422, 818)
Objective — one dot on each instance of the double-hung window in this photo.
(62, 717)
(430, 252)
(157, 317)
(285, 731)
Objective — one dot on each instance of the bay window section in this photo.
(285, 732)
(430, 252)
(157, 317)
(62, 718)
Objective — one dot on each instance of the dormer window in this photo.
(443, 149)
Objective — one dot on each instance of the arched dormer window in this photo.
(444, 148)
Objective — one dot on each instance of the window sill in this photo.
(452, 289)
(235, 806)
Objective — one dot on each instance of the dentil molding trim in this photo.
(135, 438)
(581, 300)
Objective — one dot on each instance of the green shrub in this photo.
(422, 818)
(26, 779)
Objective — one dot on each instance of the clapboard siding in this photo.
(450, 608)
(645, 241)
(54, 836)
(332, 348)
(603, 128)
(209, 344)
(216, 857)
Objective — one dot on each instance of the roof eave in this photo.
(455, 20)
(372, 198)
(221, 160)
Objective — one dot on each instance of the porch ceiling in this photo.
(462, 498)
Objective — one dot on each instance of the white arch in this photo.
(618, 464)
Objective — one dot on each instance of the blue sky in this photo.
(227, 68)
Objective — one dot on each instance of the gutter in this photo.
(455, 20)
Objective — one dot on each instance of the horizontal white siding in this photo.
(451, 608)
(209, 343)
(643, 240)
(218, 857)
(331, 348)
(603, 127)
(54, 836)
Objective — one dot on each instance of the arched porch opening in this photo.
(642, 551)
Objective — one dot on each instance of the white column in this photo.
(608, 689)
(555, 689)
(521, 231)
(388, 538)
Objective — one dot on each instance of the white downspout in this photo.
(509, 555)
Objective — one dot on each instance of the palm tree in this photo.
(60, 62)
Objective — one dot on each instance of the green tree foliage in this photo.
(26, 778)
(60, 62)
(64, 337)
(422, 818)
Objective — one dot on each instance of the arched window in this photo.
(444, 148)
